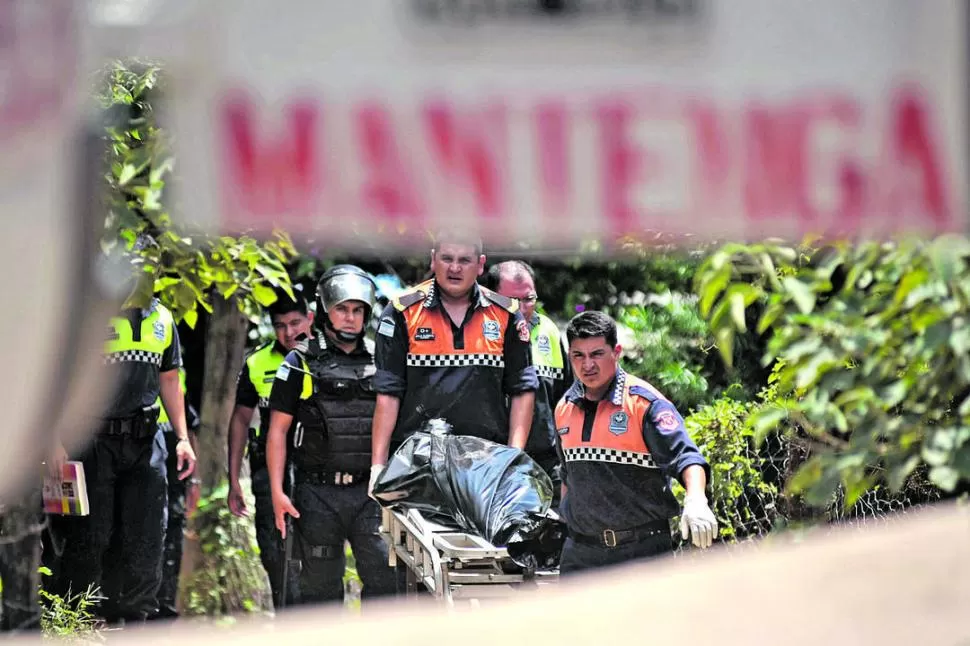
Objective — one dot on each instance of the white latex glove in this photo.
(375, 472)
(699, 519)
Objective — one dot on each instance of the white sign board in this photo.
(368, 122)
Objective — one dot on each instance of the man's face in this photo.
(348, 317)
(456, 267)
(593, 361)
(290, 326)
(522, 288)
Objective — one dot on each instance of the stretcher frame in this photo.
(452, 565)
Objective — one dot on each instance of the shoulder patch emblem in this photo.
(283, 373)
(666, 420)
(543, 344)
(386, 328)
(618, 422)
(158, 328)
(491, 330)
(523, 329)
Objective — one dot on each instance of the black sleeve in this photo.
(670, 445)
(520, 374)
(288, 386)
(246, 394)
(391, 353)
(172, 356)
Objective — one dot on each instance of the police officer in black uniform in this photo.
(328, 387)
(124, 466)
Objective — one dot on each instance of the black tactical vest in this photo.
(336, 418)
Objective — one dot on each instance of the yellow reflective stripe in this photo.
(307, 382)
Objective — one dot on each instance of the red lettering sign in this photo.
(826, 162)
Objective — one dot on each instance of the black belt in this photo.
(137, 427)
(616, 537)
(334, 478)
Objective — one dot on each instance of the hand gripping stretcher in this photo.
(453, 565)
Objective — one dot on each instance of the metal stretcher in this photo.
(453, 565)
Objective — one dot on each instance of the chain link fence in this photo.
(766, 509)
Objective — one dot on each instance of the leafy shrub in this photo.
(71, 618)
(740, 496)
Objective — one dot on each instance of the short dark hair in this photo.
(284, 304)
(591, 324)
(457, 237)
(509, 269)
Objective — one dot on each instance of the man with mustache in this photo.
(451, 349)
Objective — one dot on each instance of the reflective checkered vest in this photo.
(143, 345)
(617, 432)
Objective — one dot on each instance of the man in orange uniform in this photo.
(621, 442)
(449, 348)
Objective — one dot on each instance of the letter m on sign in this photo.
(270, 166)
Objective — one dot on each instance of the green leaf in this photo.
(766, 420)
(945, 477)
(896, 478)
(264, 295)
(737, 310)
(128, 172)
(191, 318)
(801, 293)
(725, 344)
(770, 315)
(712, 288)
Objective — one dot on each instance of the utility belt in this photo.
(615, 537)
(332, 478)
(139, 426)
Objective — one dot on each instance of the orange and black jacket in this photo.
(619, 455)
(462, 374)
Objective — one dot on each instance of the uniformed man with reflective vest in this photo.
(622, 442)
(291, 321)
(451, 349)
(124, 465)
(327, 386)
(183, 495)
(516, 279)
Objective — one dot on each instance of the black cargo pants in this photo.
(127, 491)
(331, 515)
(174, 532)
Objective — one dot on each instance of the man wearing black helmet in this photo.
(327, 386)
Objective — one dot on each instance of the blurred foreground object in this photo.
(903, 583)
(49, 174)
(370, 122)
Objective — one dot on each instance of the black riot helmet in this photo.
(345, 283)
